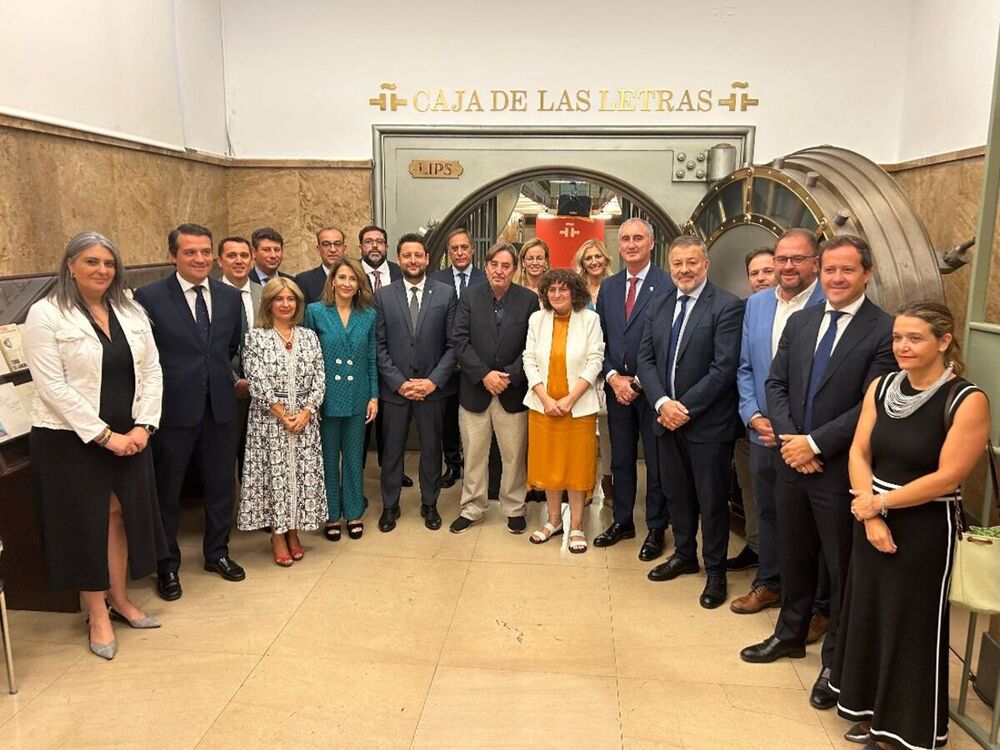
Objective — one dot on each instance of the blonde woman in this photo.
(533, 262)
(283, 479)
(593, 264)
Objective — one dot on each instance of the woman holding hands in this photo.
(283, 467)
(562, 361)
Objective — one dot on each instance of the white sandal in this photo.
(577, 541)
(542, 535)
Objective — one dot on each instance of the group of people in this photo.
(848, 413)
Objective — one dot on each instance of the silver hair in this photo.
(688, 240)
(65, 292)
(636, 219)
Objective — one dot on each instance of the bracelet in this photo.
(104, 437)
(883, 510)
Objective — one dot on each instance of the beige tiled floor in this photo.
(421, 639)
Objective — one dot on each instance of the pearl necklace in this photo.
(898, 405)
(288, 341)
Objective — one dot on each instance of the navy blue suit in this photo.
(311, 283)
(626, 423)
(403, 353)
(199, 408)
(452, 438)
(257, 279)
(695, 458)
(814, 509)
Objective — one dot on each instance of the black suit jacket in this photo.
(401, 354)
(707, 359)
(311, 283)
(481, 346)
(863, 353)
(445, 276)
(190, 368)
(255, 277)
(622, 337)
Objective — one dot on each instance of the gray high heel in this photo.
(143, 623)
(104, 650)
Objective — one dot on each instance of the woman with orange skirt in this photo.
(562, 361)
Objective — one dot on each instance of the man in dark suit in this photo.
(268, 252)
(491, 327)
(826, 358)
(461, 275)
(622, 306)
(415, 365)
(374, 248)
(687, 365)
(197, 324)
(330, 246)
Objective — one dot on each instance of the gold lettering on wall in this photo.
(438, 169)
(689, 99)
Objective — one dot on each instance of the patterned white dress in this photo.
(283, 483)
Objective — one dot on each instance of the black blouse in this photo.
(117, 376)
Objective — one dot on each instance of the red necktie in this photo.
(630, 299)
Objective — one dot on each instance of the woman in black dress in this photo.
(98, 388)
(907, 462)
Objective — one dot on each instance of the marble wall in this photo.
(58, 182)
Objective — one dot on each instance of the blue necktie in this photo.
(201, 313)
(675, 338)
(820, 361)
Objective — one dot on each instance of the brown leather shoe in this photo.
(817, 628)
(759, 599)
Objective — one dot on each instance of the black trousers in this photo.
(626, 425)
(451, 438)
(212, 445)
(429, 416)
(696, 482)
(814, 519)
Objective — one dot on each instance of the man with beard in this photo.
(415, 364)
(330, 246)
(687, 366)
(491, 327)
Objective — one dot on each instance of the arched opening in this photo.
(633, 202)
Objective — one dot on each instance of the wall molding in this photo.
(975, 152)
(9, 122)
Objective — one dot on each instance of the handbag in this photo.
(975, 574)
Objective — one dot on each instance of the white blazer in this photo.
(64, 355)
(584, 357)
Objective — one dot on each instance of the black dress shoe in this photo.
(227, 568)
(432, 519)
(745, 560)
(772, 649)
(615, 533)
(714, 593)
(387, 521)
(822, 697)
(451, 475)
(406, 481)
(168, 586)
(673, 567)
(652, 548)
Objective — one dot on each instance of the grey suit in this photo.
(403, 353)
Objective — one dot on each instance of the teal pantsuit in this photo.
(351, 381)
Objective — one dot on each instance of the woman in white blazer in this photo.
(98, 388)
(562, 361)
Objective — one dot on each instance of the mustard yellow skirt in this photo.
(562, 452)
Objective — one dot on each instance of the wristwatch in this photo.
(148, 428)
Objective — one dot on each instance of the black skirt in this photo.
(891, 663)
(76, 481)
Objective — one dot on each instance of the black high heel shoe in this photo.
(355, 529)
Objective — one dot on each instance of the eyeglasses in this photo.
(339, 244)
(796, 260)
(373, 243)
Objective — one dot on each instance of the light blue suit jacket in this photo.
(755, 352)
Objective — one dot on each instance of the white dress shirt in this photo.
(784, 310)
(191, 295)
(245, 296)
(420, 291)
(692, 296)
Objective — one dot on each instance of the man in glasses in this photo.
(330, 246)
